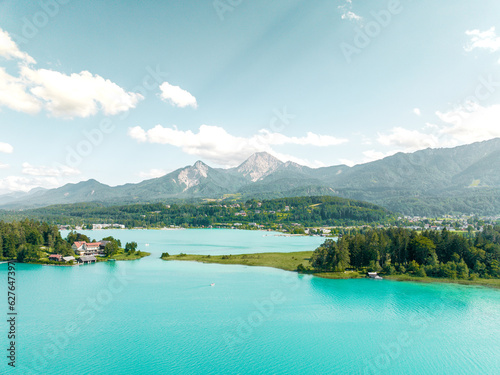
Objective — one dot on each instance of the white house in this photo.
(83, 248)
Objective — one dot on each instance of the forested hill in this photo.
(308, 211)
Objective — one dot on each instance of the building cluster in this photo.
(85, 259)
(60, 258)
(105, 226)
(86, 252)
(83, 248)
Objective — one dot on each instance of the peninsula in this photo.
(395, 253)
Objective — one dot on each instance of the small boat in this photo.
(147, 244)
(213, 284)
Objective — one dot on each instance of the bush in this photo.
(421, 272)
(374, 266)
(389, 269)
(301, 268)
(413, 267)
(165, 255)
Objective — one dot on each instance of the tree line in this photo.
(23, 240)
(30, 241)
(308, 211)
(402, 251)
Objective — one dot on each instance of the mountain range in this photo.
(463, 179)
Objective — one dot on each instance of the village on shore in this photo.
(451, 223)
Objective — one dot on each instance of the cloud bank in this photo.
(214, 143)
(487, 40)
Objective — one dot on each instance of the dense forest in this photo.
(308, 211)
(26, 239)
(402, 251)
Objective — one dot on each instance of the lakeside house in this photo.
(68, 259)
(89, 248)
(87, 259)
(55, 257)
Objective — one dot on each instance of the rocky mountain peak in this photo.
(191, 176)
(258, 166)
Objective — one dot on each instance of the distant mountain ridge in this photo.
(463, 179)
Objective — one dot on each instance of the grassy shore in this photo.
(128, 256)
(340, 275)
(284, 261)
(290, 262)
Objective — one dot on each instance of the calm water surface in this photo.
(156, 317)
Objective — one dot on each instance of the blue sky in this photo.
(124, 91)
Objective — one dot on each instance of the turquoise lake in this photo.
(157, 317)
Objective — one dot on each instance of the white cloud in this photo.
(79, 94)
(216, 144)
(351, 16)
(9, 49)
(372, 155)
(368, 156)
(348, 14)
(139, 134)
(473, 124)
(76, 95)
(13, 94)
(460, 126)
(347, 162)
(55, 171)
(3, 166)
(408, 140)
(177, 96)
(6, 148)
(483, 40)
(300, 161)
(22, 183)
(417, 111)
(153, 173)
(38, 176)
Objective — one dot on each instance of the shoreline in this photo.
(78, 264)
(277, 232)
(491, 283)
(290, 261)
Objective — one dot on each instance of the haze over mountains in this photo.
(463, 179)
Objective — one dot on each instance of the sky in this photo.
(122, 91)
